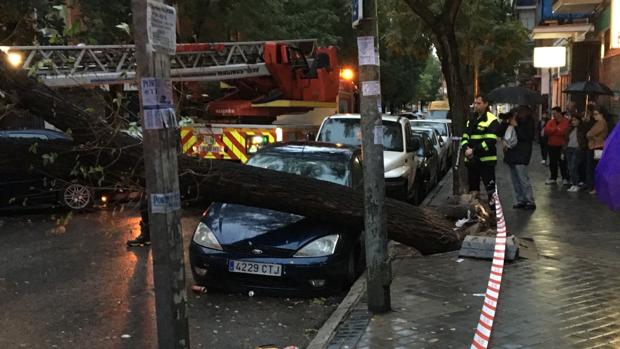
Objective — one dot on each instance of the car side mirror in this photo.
(414, 145)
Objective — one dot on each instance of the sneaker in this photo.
(573, 189)
(581, 184)
(518, 206)
(530, 206)
(543, 162)
(565, 182)
(551, 181)
(140, 240)
(593, 191)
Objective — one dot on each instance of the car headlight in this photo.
(320, 247)
(203, 236)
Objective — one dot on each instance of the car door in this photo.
(357, 171)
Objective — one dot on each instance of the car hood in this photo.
(240, 228)
(393, 159)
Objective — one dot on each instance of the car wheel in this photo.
(76, 196)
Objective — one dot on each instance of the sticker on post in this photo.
(371, 88)
(157, 119)
(378, 135)
(157, 103)
(165, 202)
(366, 50)
(161, 21)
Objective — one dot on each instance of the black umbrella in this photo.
(515, 95)
(589, 87)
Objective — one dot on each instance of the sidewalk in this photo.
(565, 298)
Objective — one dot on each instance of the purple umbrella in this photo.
(607, 178)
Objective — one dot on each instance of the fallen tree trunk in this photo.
(425, 229)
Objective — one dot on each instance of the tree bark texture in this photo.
(97, 142)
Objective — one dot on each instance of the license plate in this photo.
(254, 268)
(209, 148)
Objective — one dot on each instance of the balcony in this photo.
(575, 6)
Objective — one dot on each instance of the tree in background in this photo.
(430, 80)
(403, 52)
(29, 22)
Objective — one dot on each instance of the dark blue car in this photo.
(241, 248)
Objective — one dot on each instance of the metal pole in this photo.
(160, 142)
(375, 222)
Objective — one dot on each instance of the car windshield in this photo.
(330, 169)
(348, 131)
(440, 127)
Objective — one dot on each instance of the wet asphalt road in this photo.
(70, 282)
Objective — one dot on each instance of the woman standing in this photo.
(517, 144)
(576, 147)
(596, 141)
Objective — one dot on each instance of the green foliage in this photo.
(403, 51)
(430, 80)
(492, 38)
(28, 22)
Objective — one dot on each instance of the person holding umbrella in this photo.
(596, 141)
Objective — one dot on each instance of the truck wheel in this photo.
(76, 196)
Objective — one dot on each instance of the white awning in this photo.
(577, 32)
(575, 6)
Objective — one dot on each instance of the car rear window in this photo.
(331, 169)
(441, 127)
(348, 131)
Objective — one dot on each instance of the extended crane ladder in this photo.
(66, 66)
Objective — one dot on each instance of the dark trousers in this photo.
(479, 170)
(555, 160)
(144, 215)
(591, 163)
(544, 151)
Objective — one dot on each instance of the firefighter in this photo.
(478, 143)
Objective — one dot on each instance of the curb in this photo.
(327, 331)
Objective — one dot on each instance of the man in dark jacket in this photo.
(478, 144)
(518, 156)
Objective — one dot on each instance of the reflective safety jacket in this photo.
(481, 135)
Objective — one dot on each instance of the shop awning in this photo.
(575, 6)
(577, 32)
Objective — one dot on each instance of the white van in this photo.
(399, 152)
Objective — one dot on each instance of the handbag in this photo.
(598, 153)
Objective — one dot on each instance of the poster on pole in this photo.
(161, 21)
(157, 104)
(357, 12)
(366, 54)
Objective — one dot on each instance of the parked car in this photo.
(28, 185)
(241, 248)
(444, 127)
(437, 142)
(399, 152)
(428, 166)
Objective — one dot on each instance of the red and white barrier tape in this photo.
(485, 325)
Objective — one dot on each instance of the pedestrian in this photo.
(521, 127)
(144, 239)
(555, 130)
(542, 137)
(479, 144)
(596, 140)
(576, 147)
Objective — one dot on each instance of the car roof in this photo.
(385, 117)
(442, 121)
(51, 134)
